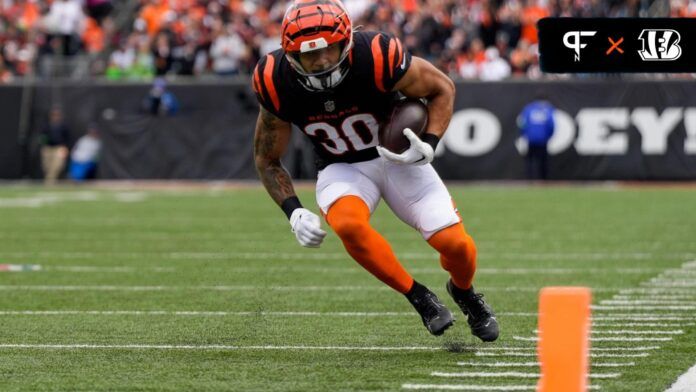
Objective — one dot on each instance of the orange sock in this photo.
(457, 254)
(349, 217)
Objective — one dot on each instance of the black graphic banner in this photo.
(571, 45)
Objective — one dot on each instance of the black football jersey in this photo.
(342, 123)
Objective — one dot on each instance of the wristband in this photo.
(431, 139)
(290, 204)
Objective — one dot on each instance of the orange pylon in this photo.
(564, 339)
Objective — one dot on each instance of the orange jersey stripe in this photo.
(378, 58)
(268, 81)
(392, 50)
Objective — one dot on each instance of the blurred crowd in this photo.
(474, 39)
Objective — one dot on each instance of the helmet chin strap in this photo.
(326, 82)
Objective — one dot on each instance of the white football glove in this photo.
(307, 227)
(420, 152)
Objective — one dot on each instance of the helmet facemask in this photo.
(326, 79)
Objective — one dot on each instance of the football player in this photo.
(336, 85)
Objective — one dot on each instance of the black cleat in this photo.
(479, 315)
(436, 317)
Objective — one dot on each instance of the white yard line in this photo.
(685, 383)
(462, 387)
(672, 284)
(643, 307)
(636, 297)
(537, 364)
(89, 268)
(347, 270)
(636, 348)
(246, 288)
(656, 291)
(177, 288)
(534, 355)
(469, 387)
(646, 317)
(213, 347)
(609, 339)
(215, 313)
(499, 364)
(642, 325)
(197, 313)
(632, 332)
(646, 302)
(510, 375)
(318, 314)
(192, 256)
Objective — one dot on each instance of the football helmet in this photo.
(310, 25)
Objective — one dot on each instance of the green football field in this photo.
(204, 288)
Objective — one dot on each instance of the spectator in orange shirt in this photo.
(154, 15)
(93, 37)
(531, 14)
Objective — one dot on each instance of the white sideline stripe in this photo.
(644, 325)
(91, 268)
(646, 302)
(655, 290)
(532, 289)
(633, 332)
(340, 256)
(613, 364)
(685, 382)
(537, 364)
(671, 284)
(217, 313)
(511, 375)
(216, 347)
(638, 348)
(642, 307)
(343, 270)
(639, 317)
(655, 296)
(500, 364)
(610, 339)
(197, 313)
(174, 288)
(466, 387)
(532, 354)
(671, 279)
(461, 387)
(342, 314)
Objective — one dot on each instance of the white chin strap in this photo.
(333, 80)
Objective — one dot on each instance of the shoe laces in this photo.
(476, 306)
(428, 305)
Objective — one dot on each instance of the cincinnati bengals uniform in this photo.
(340, 108)
(342, 123)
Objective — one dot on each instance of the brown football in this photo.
(406, 113)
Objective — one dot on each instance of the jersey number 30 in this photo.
(356, 133)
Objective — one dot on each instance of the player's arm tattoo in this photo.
(270, 140)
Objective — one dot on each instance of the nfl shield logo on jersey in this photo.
(330, 106)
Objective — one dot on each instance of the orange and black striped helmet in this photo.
(311, 25)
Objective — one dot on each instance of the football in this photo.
(406, 113)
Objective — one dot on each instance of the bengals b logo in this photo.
(660, 45)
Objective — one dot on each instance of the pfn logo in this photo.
(571, 40)
(660, 45)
